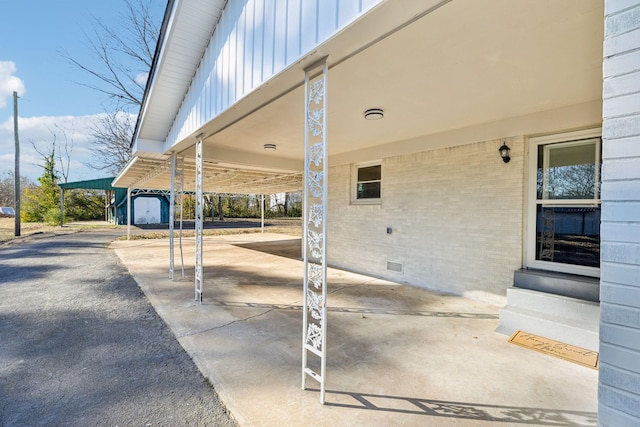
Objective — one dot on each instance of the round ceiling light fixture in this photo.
(270, 147)
(374, 114)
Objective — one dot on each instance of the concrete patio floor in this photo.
(397, 355)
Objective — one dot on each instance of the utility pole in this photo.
(16, 178)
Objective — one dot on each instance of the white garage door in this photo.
(146, 210)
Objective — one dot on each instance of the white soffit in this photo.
(189, 31)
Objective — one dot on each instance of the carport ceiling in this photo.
(217, 177)
(469, 62)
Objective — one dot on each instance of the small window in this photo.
(368, 182)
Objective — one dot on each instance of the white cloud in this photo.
(8, 82)
(141, 78)
(42, 131)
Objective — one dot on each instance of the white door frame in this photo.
(530, 207)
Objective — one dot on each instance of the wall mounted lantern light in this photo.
(504, 153)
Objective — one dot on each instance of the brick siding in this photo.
(456, 218)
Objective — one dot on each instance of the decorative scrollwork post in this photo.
(314, 331)
(199, 219)
(172, 213)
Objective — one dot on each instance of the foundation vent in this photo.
(398, 267)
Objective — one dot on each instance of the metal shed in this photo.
(147, 206)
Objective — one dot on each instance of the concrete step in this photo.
(575, 310)
(564, 319)
(570, 285)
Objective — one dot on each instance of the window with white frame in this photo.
(368, 183)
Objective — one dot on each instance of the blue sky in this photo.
(33, 35)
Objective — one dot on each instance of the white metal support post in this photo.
(314, 331)
(128, 213)
(180, 192)
(107, 199)
(61, 207)
(262, 213)
(172, 213)
(199, 219)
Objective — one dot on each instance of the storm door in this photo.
(564, 212)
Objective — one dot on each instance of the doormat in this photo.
(574, 354)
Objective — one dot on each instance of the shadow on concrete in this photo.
(361, 310)
(290, 248)
(462, 410)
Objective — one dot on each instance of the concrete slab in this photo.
(397, 355)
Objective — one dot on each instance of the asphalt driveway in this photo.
(80, 344)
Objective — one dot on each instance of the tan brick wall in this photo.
(456, 215)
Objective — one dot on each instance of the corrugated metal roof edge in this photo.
(91, 184)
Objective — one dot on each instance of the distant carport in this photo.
(103, 184)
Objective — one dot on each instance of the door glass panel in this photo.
(569, 235)
(568, 203)
(567, 171)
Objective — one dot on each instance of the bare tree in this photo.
(569, 182)
(64, 152)
(7, 188)
(111, 141)
(61, 156)
(125, 55)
